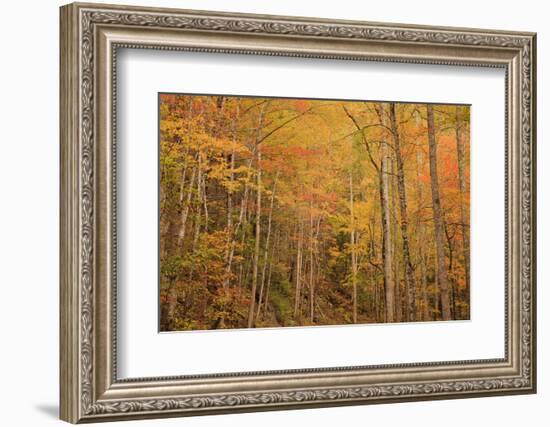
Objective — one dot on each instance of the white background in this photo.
(143, 73)
(29, 170)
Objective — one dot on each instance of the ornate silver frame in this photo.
(90, 36)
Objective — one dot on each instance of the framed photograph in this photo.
(265, 213)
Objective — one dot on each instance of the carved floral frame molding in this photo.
(90, 37)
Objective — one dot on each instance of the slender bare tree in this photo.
(439, 230)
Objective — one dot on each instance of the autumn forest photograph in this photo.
(286, 212)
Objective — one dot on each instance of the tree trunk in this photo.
(452, 282)
(205, 202)
(169, 307)
(266, 300)
(398, 302)
(230, 243)
(266, 250)
(438, 220)
(352, 248)
(199, 208)
(420, 242)
(298, 269)
(315, 277)
(387, 235)
(258, 219)
(463, 214)
(410, 280)
(424, 284)
(185, 209)
(185, 206)
(311, 282)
